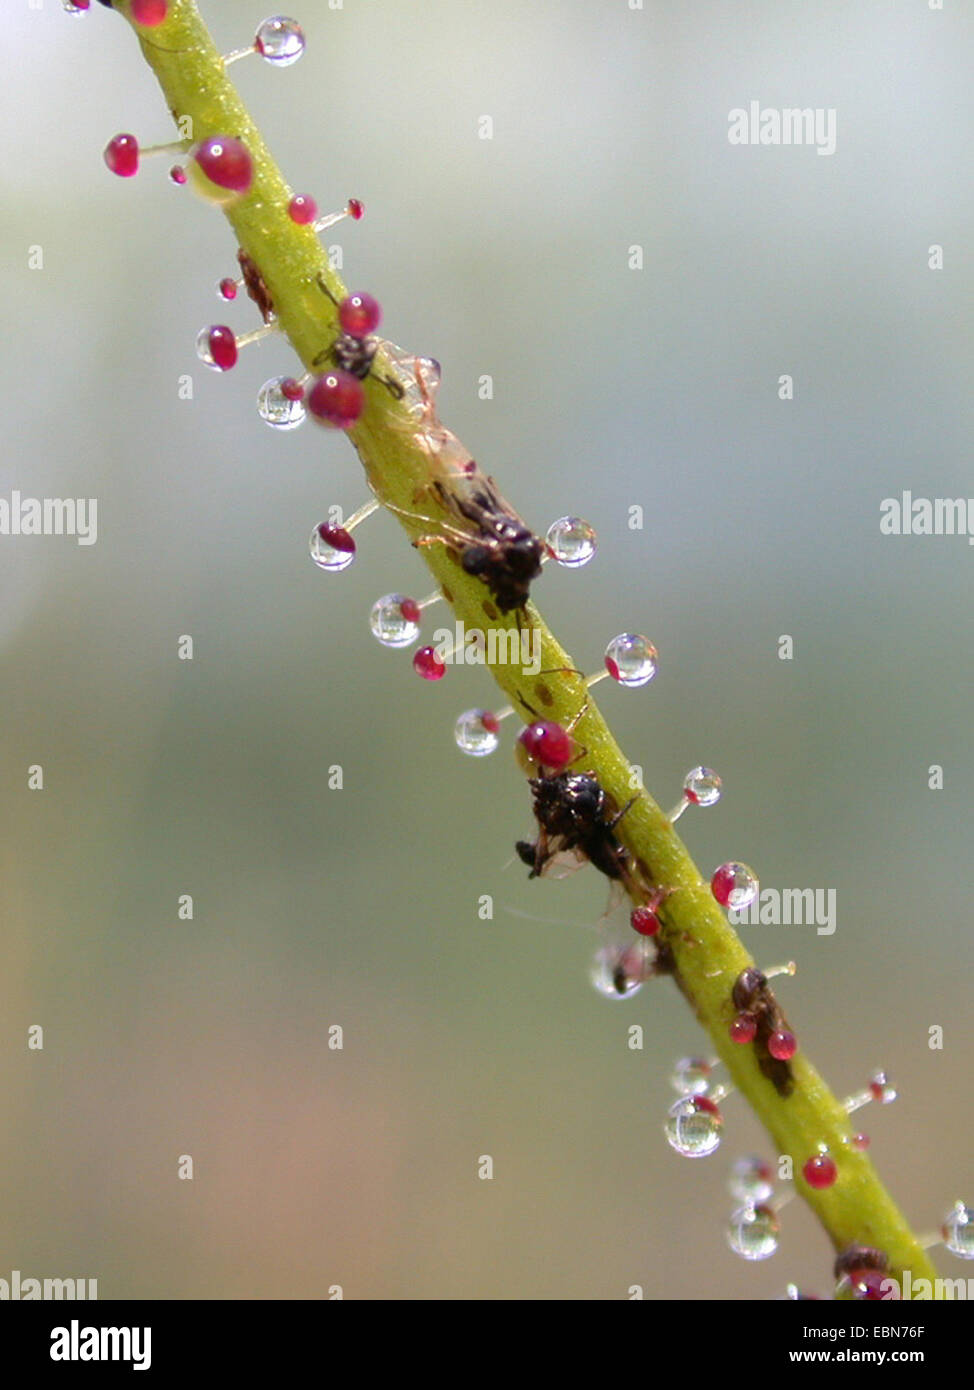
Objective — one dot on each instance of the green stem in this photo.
(707, 953)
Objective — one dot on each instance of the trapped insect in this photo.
(489, 538)
(575, 816)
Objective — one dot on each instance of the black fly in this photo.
(576, 816)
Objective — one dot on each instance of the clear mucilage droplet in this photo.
(750, 1180)
(735, 886)
(693, 1126)
(691, 1076)
(476, 733)
(571, 541)
(702, 786)
(619, 971)
(280, 40)
(752, 1232)
(390, 625)
(328, 556)
(958, 1231)
(276, 409)
(631, 659)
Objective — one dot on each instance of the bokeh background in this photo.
(613, 387)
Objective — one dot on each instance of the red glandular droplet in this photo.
(122, 155)
(149, 13)
(428, 664)
(226, 162)
(410, 610)
(302, 209)
(820, 1171)
(359, 315)
(782, 1045)
(743, 1029)
(337, 537)
(223, 347)
(336, 399)
(645, 921)
(547, 743)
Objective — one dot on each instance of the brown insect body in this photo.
(484, 531)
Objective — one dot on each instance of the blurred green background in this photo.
(613, 387)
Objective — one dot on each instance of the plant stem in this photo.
(707, 953)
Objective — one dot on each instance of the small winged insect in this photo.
(489, 538)
(576, 819)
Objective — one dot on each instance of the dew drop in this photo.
(752, 1232)
(390, 624)
(280, 40)
(618, 972)
(571, 541)
(958, 1231)
(691, 1076)
(693, 1126)
(631, 659)
(734, 886)
(476, 732)
(75, 7)
(332, 548)
(277, 409)
(750, 1180)
(702, 786)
